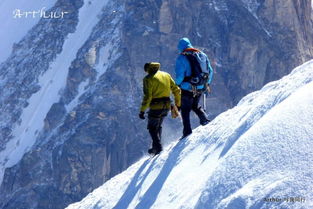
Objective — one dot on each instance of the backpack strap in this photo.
(190, 50)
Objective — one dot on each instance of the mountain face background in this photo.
(70, 88)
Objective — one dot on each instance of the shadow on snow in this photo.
(150, 196)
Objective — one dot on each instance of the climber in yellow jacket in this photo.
(157, 88)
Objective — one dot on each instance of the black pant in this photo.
(188, 103)
(155, 120)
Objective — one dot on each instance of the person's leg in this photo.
(155, 119)
(186, 105)
(153, 122)
(199, 110)
(159, 127)
(160, 133)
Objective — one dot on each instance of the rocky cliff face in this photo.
(55, 151)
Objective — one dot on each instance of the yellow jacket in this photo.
(158, 84)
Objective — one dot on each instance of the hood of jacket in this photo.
(152, 67)
(183, 44)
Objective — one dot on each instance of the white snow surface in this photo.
(52, 82)
(14, 29)
(247, 156)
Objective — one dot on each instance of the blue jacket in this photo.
(183, 68)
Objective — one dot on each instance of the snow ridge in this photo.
(259, 150)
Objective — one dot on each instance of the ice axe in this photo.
(208, 90)
(204, 103)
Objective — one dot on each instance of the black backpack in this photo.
(199, 67)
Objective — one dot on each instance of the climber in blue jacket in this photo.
(191, 93)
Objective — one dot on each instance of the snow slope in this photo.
(256, 155)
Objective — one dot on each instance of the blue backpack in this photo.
(199, 67)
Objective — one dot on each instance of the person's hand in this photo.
(178, 108)
(208, 89)
(142, 115)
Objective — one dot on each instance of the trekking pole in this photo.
(204, 103)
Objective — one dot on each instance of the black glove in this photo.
(142, 115)
(178, 108)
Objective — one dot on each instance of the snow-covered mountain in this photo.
(70, 86)
(257, 155)
(13, 28)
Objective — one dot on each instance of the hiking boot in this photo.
(154, 151)
(184, 136)
(205, 122)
